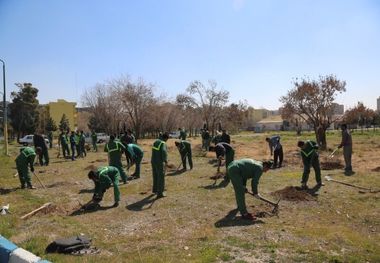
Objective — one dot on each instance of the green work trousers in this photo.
(239, 184)
(347, 153)
(229, 158)
(94, 146)
(23, 174)
(122, 173)
(313, 161)
(158, 178)
(186, 155)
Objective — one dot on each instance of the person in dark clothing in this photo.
(50, 137)
(276, 148)
(184, 148)
(72, 145)
(346, 143)
(82, 144)
(39, 141)
(224, 150)
(225, 137)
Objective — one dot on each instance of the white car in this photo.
(28, 140)
(174, 135)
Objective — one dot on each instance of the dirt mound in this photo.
(331, 165)
(292, 193)
(58, 184)
(59, 209)
(377, 169)
(99, 161)
(90, 167)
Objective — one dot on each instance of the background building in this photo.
(57, 109)
(378, 104)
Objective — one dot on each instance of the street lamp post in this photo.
(5, 112)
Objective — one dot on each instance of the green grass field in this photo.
(196, 222)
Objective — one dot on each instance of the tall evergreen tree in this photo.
(23, 109)
(64, 123)
(50, 125)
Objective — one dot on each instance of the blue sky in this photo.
(254, 49)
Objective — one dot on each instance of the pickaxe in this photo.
(332, 154)
(275, 209)
(328, 178)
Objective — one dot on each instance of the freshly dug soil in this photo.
(331, 165)
(377, 169)
(291, 193)
(59, 210)
(90, 167)
(58, 184)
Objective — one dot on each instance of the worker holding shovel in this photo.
(224, 150)
(135, 154)
(239, 172)
(103, 178)
(115, 149)
(310, 158)
(23, 160)
(184, 148)
(159, 161)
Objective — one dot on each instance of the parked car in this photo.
(27, 140)
(174, 134)
(102, 137)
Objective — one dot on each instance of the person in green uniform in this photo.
(23, 160)
(224, 150)
(77, 144)
(103, 178)
(159, 161)
(115, 149)
(94, 139)
(50, 137)
(346, 143)
(135, 154)
(239, 172)
(64, 141)
(310, 158)
(207, 139)
(184, 148)
(182, 134)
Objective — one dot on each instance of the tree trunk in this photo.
(321, 138)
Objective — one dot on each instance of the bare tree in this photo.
(312, 101)
(135, 102)
(209, 100)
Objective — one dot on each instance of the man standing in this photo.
(184, 148)
(310, 158)
(73, 145)
(224, 150)
(77, 144)
(225, 137)
(182, 134)
(64, 142)
(94, 139)
(206, 139)
(135, 154)
(159, 161)
(239, 172)
(82, 144)
(50, 137)
(39, 141)
(347, 149)
(276, 147)
(23, 160)
(115, 149)
(103, 178)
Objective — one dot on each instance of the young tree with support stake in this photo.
(312, 101)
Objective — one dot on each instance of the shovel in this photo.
(39, 180)
(328, 178)
(275, 209)
(332, 154)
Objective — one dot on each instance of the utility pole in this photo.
(5, 125)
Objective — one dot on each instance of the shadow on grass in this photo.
(90, 209)
(214, 186)
(139, 205)
(4, 191)
(311, 191)
(232, 220)
(86, 191)
(175, 172)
